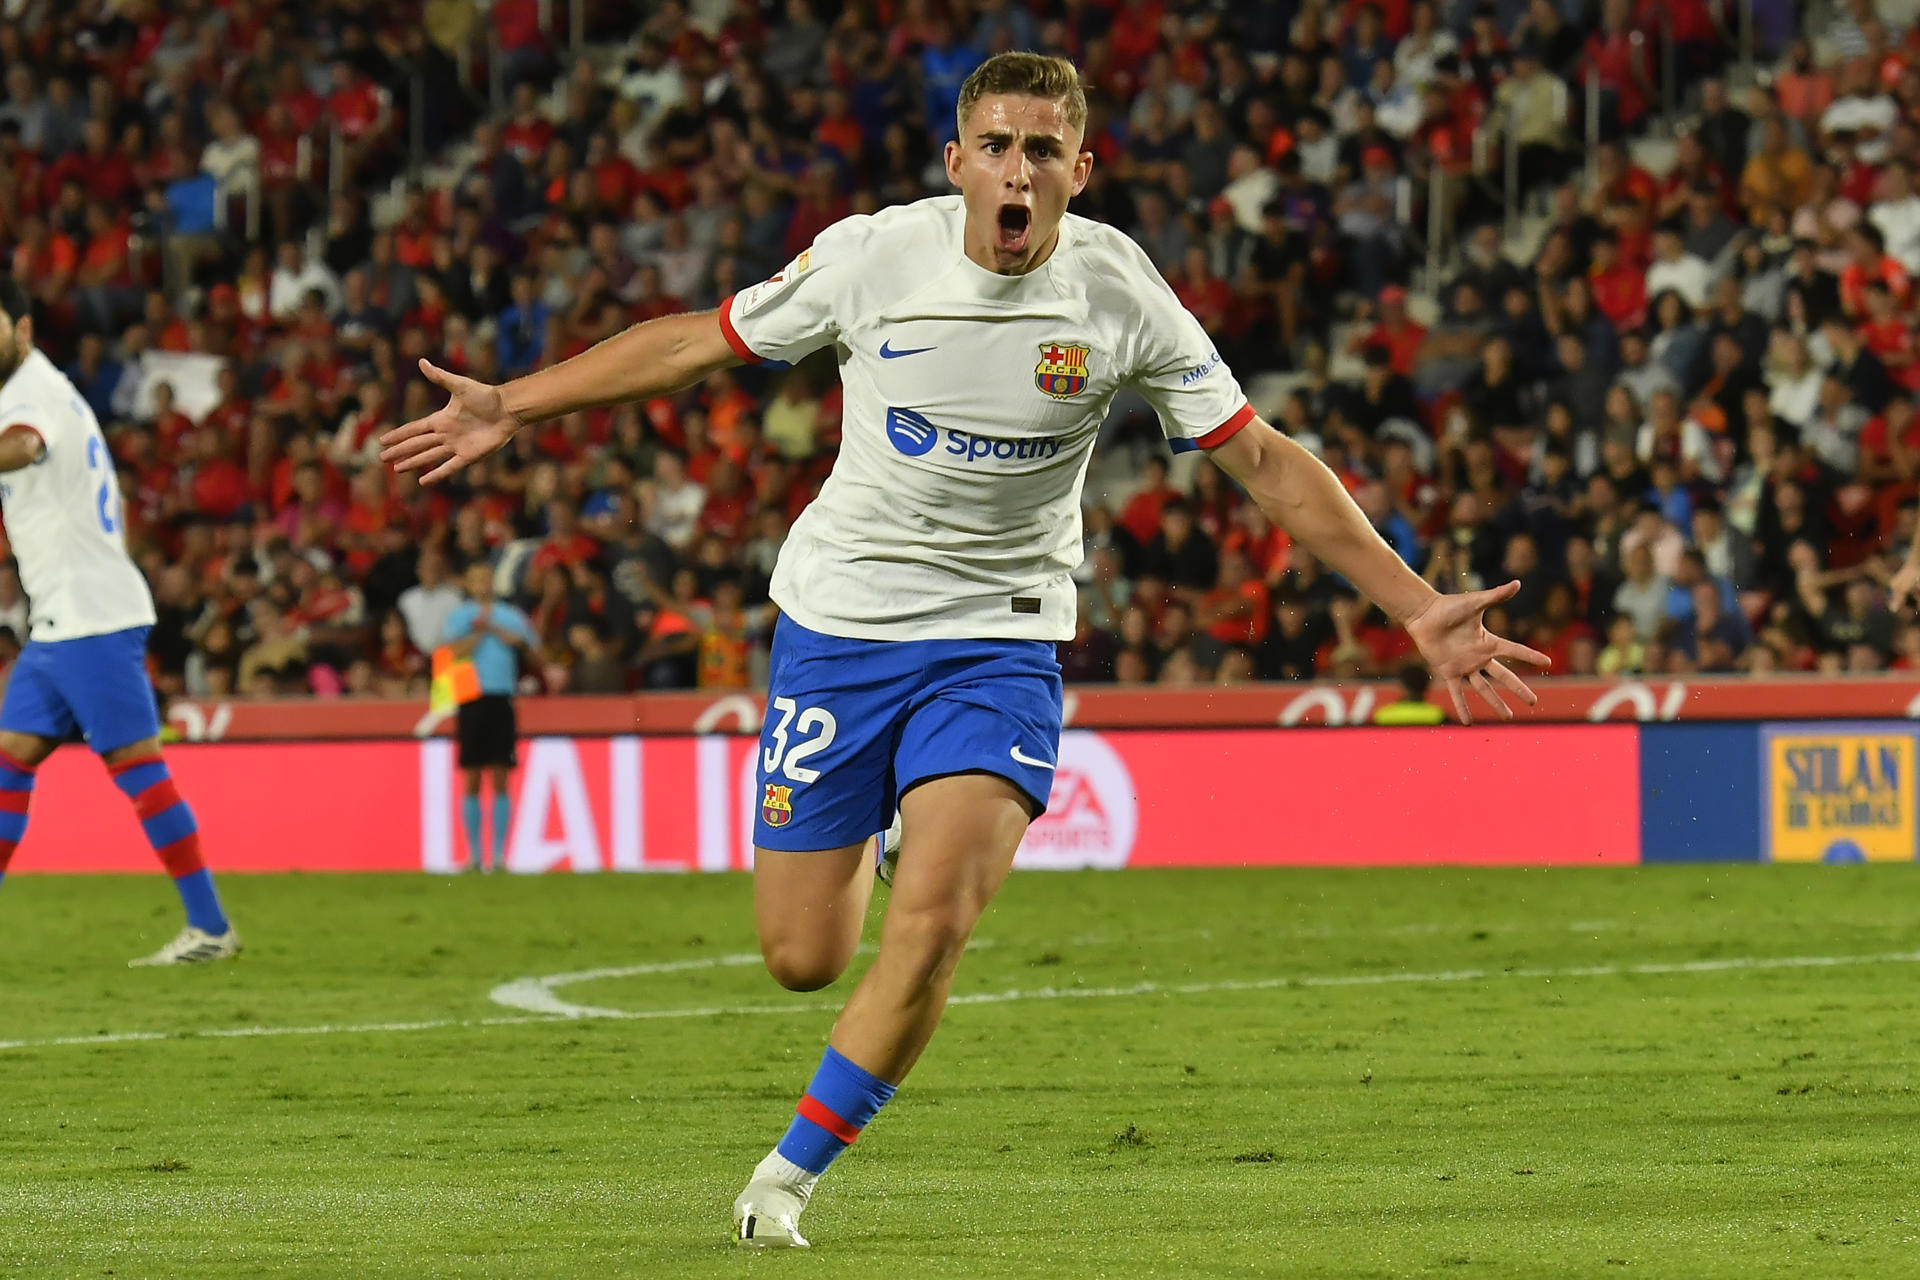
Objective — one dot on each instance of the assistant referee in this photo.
(491, 632)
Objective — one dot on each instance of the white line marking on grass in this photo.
(536, 995)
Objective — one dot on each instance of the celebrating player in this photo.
(980, 338)
(84, 666)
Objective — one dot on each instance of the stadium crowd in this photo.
(1688, 427)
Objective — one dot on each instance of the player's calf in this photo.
(142, 775)
(16, 792)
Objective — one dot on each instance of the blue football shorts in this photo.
(96, 685)
(852, 725)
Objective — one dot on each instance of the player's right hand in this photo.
(1901, 586)
(472, 424)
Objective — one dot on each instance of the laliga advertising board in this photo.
(1226, 797)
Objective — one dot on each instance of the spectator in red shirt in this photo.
(528, 133)
(1889, 336)
(1618, 55)
(522, 44)
(303, 106)
(1619, 288)
(565, 544)
(170, 426)
(1396, 331)
(216, 485)
(1141, 516)
(369, 511)
(725, 514)
(106, 294)
(1869, 261)
(1236, 611)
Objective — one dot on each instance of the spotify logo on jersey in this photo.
(910, 432)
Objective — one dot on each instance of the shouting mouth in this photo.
(1015, 225)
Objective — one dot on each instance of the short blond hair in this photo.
(1032, 74)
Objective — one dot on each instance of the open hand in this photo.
(472, 424)
(1454, 640)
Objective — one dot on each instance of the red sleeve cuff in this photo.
(1226, 430)
(734, 340)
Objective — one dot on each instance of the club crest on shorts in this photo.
(776, 807)
(1062, 370)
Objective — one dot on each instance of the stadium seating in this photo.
(1614, 299)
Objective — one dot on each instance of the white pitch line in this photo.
(551, 1008)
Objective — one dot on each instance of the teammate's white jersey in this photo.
(63, 513)
(972, 403)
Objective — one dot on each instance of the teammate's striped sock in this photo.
(174, 835)
(16, 791)
(502, 818)
(835, 1108)
(470, 819)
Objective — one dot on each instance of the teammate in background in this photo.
(84, 665)
(490, 632)
(981, 338)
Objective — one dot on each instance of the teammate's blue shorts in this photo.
(853, 724)
(94, 684)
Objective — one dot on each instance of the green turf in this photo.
(1721, 1122)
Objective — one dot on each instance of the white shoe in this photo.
(886, 852)
(767, 1214)
(193, 946)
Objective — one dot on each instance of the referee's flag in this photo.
(455, 682)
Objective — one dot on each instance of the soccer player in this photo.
(491, 632)
(980, 339)
(84, 666)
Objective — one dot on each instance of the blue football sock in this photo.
(201, 902)
(470, 819)
(16, 792)
(502, 818)
(837, 1105)
(174, 834)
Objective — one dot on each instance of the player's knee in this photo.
(924, 947)
(802, 968)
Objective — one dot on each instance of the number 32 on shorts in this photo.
(813, 731)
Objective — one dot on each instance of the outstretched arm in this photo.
(652, 359)
(1298, 493)
(1905, 579)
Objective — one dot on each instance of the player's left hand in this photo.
(1453, 638)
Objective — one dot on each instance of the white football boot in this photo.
(193, 946)
(767, 1214)
(886, 851)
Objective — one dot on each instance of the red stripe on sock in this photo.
(6, 852)
(811, 1108)
(133, 762)
(182, 857)
(15, 801)
(158, 798)
(16, 765)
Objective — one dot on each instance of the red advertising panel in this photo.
(1553, 794)
(1090, 707)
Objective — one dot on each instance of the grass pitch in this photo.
(1351, 1074)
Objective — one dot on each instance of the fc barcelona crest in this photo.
(777, 806)
(1062, 370)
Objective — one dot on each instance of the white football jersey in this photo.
(972, 403)
(63, 513)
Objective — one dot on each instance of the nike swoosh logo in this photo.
(1020, 758)
(888, 353)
